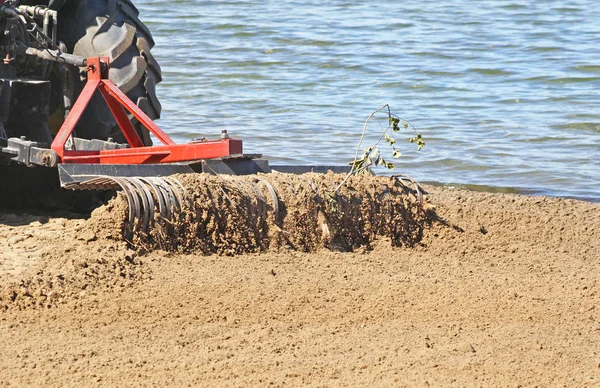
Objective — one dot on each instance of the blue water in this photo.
(505, 93)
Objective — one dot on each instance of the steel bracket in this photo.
(28, 152)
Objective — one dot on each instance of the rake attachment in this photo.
(252, 213)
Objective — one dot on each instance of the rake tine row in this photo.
(144, 196)
(165, 198)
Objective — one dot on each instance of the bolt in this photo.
(49, 159)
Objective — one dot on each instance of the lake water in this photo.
(505, 93)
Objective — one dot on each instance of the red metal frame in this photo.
(117, 101)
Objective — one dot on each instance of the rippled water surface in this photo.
(505, 94)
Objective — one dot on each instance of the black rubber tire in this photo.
(112, 28)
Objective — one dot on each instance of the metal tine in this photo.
(312, 185)
(273, 193)
(416, 185)
(246, 188)
(260, 199)
(98, 183)
(173, 198)
(128, 188)
(386, 192)
(168, 195)
(175, 190)
(183, 192)
(151, 200)
(165, 211)
(315, 190)
(157, 194)
(147, 210)
(131, 204)
(227, 178)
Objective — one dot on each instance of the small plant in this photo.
(372, 155)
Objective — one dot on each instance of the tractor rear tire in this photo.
(112, 28)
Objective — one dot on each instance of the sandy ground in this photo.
(503, 290)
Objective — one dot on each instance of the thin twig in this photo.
(364, 131)
(362, 136)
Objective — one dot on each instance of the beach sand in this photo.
(502, 290)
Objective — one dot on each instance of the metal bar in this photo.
(74, 173)
(159, 154)
(65, 131)
(96, 154)
(244, 165)
(57, 56)
(124, 123)
(114, 91)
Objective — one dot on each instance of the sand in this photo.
(500, 290)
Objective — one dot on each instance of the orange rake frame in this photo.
(137, 153)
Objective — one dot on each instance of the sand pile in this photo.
(239, 214)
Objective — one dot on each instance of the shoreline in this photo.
(528, 192)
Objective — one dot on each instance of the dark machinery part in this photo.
(25, 80)
(40, 77)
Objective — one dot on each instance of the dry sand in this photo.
(502, 290)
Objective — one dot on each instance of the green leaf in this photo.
(394, 122)
(396, 154)
(390, 166)
(419, 140)
(390, 139)
(405, 125)
(357, 164)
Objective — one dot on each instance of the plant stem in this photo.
(362, 137)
